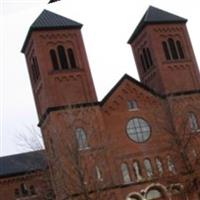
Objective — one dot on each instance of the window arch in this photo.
(154, 193)
(159, 166)
(149, 56)
(81, 138)
(166, 50)
(125, 173)
(172, 47)
(147, 64)
(54, 59)
(171, 165)
(71, 58)
(137, 170)
(180, 49)
(98, 173)
(148, 167)
(24, 189)
(62, 57)
(143, 62)
(193, 123)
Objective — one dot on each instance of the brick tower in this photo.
(164, 54)
(57, 63)
(61, 79)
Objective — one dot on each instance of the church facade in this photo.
(141, 142)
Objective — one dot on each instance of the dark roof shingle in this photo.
(155, 16)
(48, 20)
(22, 163)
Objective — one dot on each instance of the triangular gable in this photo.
(133, 81)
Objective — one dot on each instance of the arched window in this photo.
(146, 58)
(180, 49)
(137, 170)
(159, 166)
(143, 62)
(62, 57)
(54, 59)
(193, 121)
(71, 58)
(81, 138)
(171, 166)
(154, 194)
(37, 71)
(149, 57)
(166, 50)
(24, 189)
(173, 48)
(148, 167)
(98, 174)
(125, 173)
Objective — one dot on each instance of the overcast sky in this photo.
(108, 25)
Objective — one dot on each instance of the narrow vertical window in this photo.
(180, 49)
(171, 166)
(143, 63)
(146, 58)
(62, 57)
(34, 76)
(166, 50)
(32, 190)
(17, 193)
(173, 48)
(159, 166)
(137, 170)
(36, 66)
(193, 121)
(148, 167)
(71, 58)
(125, 173)
(81, 138)
(149, 57)
(98, 174)
(24, 189)
(54, 59)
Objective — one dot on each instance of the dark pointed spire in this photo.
(155, 16)
(50, 21)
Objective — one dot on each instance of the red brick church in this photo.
(141, 142)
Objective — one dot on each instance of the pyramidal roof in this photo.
(49, 21)
(155, 16)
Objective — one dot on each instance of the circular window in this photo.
(138, 130)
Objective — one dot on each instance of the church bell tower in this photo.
(57, 63)
(164, 54)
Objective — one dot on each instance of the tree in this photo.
(184, 130)
(76, 150)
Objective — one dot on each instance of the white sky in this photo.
(108, 24)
